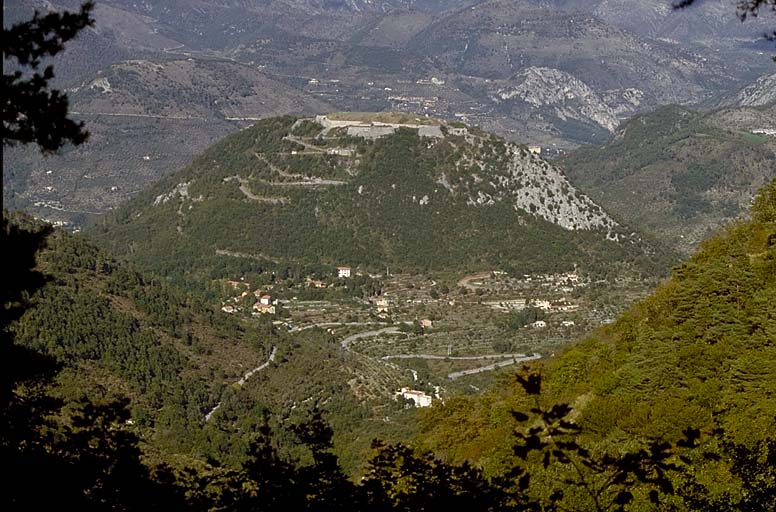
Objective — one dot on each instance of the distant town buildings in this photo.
(343, 271)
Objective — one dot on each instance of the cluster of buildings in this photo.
(264, 304)
(565, 278)
(560, 306)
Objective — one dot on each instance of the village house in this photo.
(542, 304)
(567, 323)
(263, 309)
(419, 398)
(381, 303)
(343, 271)
(265, 300)
(539, 324)
(426, 323)
(228, 309)
(314, 283)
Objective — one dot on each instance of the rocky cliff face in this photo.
(760, 93)
(537, 187)
(566, 97)
(487, 170)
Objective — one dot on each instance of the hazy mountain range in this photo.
(158, 82)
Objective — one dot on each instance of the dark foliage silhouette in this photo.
(33, 112)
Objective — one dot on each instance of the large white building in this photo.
(418, 397)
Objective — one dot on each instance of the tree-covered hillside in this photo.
(289, 190)
(669, 408)
(117, 334)
(678, 174)
(699, 353)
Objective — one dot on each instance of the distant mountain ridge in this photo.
(554, 74)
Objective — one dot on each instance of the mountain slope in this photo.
(555, 74)
(118, 333)
(698, 353)
(147, 117)
(201, 383)
(371, 195)
(680, 174)
(760, 93)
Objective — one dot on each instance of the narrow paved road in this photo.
(120, 114)
(309, 182)
(307, 145)
(304, 180)
(454, 358)
(490, 367)
(331, 324)
(245, 378)
(368, 334)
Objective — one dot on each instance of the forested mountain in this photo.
(699, 353)
(360, 194)
(118, 334)
(680, 174)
